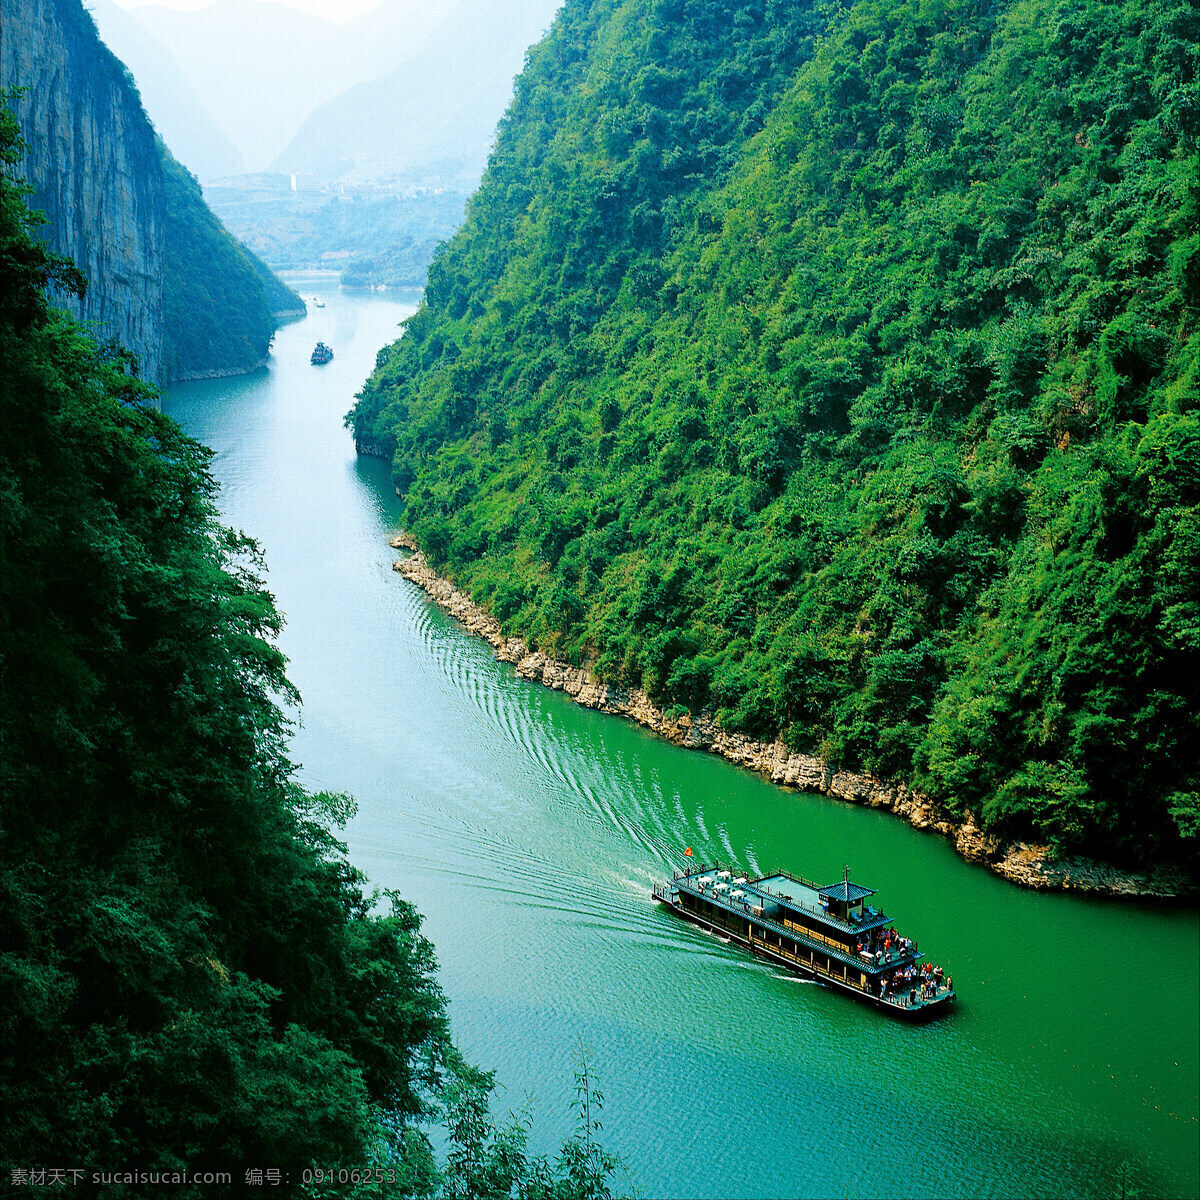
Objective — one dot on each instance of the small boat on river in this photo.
(825, 933)
(321, 354)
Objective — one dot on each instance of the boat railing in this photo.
(902, 999)
(843, 955)
(815, 941)
(824, 914)
(715, 865)
(878, 919)
(812, 941)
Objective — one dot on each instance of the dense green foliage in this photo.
(219, 299)
(282, 300)
(187, 962)
(191, 976)
(835, 369)
(402, 263)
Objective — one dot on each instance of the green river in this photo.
(529, 832)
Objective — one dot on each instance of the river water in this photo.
(529, 832)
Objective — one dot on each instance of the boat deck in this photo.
(806, 896)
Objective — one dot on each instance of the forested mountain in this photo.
(192, 978)
(834, 368)
(219, 300)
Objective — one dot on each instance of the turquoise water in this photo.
(530, 831)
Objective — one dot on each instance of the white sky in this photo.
(333, 10)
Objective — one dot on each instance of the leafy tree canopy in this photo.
(187, 962)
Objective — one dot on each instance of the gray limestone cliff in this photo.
(165, 279)
(93, 168)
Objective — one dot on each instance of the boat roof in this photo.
(775, 899)
(845, 890)
(782, 886)
(783, 891)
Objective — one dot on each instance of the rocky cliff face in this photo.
(93, 167)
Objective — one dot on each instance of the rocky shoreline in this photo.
(1022, 863)
(220, 372)
(376, 449)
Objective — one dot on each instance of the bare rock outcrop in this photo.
(93, 168)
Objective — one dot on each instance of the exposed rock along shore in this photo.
(375, 449)
(190, 376)
(1019, 862)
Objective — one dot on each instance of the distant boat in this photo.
(321, 354)
(318, 302)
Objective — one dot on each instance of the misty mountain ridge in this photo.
(278, 64)
(433, 120)
(183, 120)
(398, 105)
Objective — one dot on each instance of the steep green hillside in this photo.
(845, 386)
(190, 974)
(219, 300)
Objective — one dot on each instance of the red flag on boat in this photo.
(688, 852)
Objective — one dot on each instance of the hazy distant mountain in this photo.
(433, 119)
(255, 64)
(182, 119)
(262, 68)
